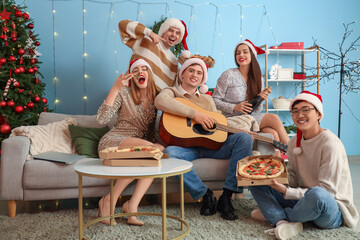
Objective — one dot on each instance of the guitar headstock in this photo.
(283, 147)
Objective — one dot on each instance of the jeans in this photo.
(317, 206)
(236, 147)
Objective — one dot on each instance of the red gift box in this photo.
(289, 45)
(299, 75)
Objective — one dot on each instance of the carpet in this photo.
(64, 225)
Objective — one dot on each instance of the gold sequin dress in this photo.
(132, 120)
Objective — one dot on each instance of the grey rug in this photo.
(64, 225)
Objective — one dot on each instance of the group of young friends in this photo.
(320, 187)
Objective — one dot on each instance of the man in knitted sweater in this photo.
(320, 188)
(155, 48)
(192, 74)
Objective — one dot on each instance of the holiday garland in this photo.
(21, 92)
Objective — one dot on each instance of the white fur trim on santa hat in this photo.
(139, 62)
(249, 45)
(200, 62)
(172, 22)
(310, 98)
(186, 54)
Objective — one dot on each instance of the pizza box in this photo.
(243, 181)
(210, 63)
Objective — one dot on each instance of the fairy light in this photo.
(115, 42)
(85, 97)
(241, 22)
(57, 101)
(54, 55)
(84, 54)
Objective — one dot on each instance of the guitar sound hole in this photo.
(197, 128)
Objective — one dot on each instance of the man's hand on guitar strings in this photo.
(206, 122)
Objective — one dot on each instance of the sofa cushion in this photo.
(39, 174)
(86, 140)
(82, 120)
(54, 136)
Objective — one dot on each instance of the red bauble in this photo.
(18, 13)
(13, 34)
(14, 39)
(3, 36)
(37, 43)
(17, 71)
(32, 61)
(26, 16)
(19, 109)
(44, 100)
(5, 128)
(30, 70)
(16, 84)
(31, 105)
(35, 69)
(22, 69)
(12, 58)
(30, 26)
(21, 51)
(11, 103)
(36, 80)
(2, 61)
(3, 104)
(37, 99)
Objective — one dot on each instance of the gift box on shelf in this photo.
(289, 45)
(299, 75)
(285, 74)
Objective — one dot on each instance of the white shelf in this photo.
(290, 51)
(293, 80)
(278, 110)
(291, 134)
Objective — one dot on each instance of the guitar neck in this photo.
(225, 128)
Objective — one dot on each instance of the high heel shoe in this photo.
(132, 220)
(100, 213)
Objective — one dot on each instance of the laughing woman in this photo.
(237, 86)
(135, 126)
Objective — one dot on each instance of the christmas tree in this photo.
(21, 91)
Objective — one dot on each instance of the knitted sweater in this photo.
(165, 102)
(323, 163)
(162, 61)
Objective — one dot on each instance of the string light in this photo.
(115, 42)
(84, 55)
(54, 54)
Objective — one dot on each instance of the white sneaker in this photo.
(257, 215)
(288, 230)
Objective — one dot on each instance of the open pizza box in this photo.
(132, 159)
(243, 181)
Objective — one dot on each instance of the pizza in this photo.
(157, 154)
(261, 168)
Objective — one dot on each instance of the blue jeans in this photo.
(236, 147)
(317, 206)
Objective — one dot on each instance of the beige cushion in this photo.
(51, 137)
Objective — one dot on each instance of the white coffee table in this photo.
(169, 167)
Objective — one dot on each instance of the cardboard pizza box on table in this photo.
(131, 159)
(243, 181)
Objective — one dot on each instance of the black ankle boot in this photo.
(209, 202)
(225, 206)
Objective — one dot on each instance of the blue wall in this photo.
(303, 20)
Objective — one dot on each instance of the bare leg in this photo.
(276, 137)
(273, 121)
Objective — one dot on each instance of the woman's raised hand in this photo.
(122, 80)
(265, 93)
(243, 107)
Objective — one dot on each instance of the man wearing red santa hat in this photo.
(320, 188)
(155, 48)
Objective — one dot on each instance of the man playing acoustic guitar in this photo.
(237, 146)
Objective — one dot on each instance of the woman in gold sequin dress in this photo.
(135, 126)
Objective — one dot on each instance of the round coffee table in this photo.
(169, 167)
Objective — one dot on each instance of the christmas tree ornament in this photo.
(2, 61)
(22, 69)
(19, 109)
(31, 105)
(21, 90)
(6, 44)
(3, 37)
(18, 13)
(3, 104)
(13, 25)
(12, 58)
(32, 61)
(11, 80)
(14, 39)
(37, 99)
(35, 69)
(17, 71)
(36, 81)
(13, 34)
(26, 16)
(30, 70)
(44, 100)
(30, 26)
(16, 84)
(21, 51)
(11, 103)
(37, 43)
(4, 15)
(5, 129)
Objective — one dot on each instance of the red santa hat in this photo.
(176, 23)
(138, 62)
(203, 87)
(256, 50)
(314, 99)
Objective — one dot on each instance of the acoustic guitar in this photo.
(184, 132)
